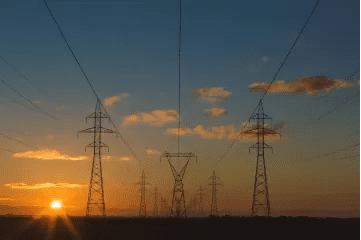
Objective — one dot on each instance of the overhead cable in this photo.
(18, 72)
(279, 69)
(17, 140)
(29, 101)
(111, 121)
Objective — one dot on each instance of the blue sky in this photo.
(131, 48)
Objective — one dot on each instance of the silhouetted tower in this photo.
(260, 193)
(200, 206)
(214, 190)
(163, 206)
(178, 203)
(194, 204)
(155, 209)
(142, 189)
(96, 188)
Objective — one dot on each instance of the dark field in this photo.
(171, 228)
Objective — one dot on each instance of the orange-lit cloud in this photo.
(109, 101)
(180, 131)
(212, 95)
(215, 112)
(113, 158)
(47, 154)
(228, 132)
(43, 185)
(306, 85)
(6, 199)
(153, 152)
(59, 108)
(50, 137)
(156, 117)
(215, 132)
(212, 92)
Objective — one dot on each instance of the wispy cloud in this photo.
(153, 152)
(6, 199)
(264, 59)
(112, 158)
(156, 117)
(60, 108)
(312, 86)
(216, 132)
(47, 154)
(212, 95)
(180, 131)
(228, 132)
(50, 137)
(44, 185)
(109, 101)
(215, 112)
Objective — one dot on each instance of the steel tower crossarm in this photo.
(260, 191)
(96, 186)
(178, 200)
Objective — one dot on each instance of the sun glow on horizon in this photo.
(56, 205)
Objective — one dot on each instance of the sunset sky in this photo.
(231, 50)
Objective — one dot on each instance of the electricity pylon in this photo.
(155, 209)
(96, 188)
(192, 205)
(163, 206)
(200, 204)
(142, 205)
(214, 184)
(260, 193)
(178, 202)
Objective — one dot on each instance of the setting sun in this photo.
(56, 205)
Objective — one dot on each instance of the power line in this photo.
(335, 109)
(279, 69)
(289, 52)
(179, 70)
(17, 140)
(18, 72)
(6, 150)
(111, 121)
(20, 104)
(352, 146)
(348, 157)
(29, 101)
(340, 106)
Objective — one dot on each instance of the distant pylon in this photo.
(96, 189)
(260, 193)
(178, 202)
(142, 205)
(214, 184)
(194, 204)
(163, 206)
(155, 209)
(200, 205)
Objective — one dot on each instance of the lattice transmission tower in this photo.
(178, 203)
(260, 203)
(96, 203)
(214, 190)
(200, 203)
(142, 189)
(155, 208)
(163, 206)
